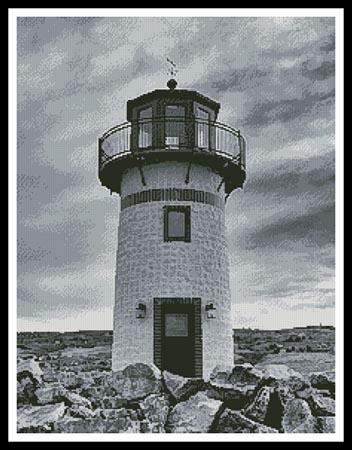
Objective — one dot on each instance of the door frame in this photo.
(198, 339)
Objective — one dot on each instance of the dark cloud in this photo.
(239, 80)
(266, 113)
(328, 43)
(316, 227)
(325, 70)
(36, 32)
(295, 177)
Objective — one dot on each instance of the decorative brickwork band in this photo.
(172, 194)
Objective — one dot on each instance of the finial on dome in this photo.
(171, 84)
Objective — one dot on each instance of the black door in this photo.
(178, 339)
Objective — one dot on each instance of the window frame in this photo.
(146, 123)
(186, 210)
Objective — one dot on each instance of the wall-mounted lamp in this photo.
(210, 310)
(140, 311)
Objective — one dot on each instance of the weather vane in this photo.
(172, 68)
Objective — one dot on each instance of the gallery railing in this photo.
(172, 134)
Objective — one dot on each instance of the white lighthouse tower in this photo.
(174, 166)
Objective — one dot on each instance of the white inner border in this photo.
(13, 13)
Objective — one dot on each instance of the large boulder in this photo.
(155, 409)
(321, 405)
(258, 409)
(195, 415)
(298, 416)
(235, 387)
(135, 382)
(323, 380)
(179, 387)
(275, 374)
(245, 374)
(34, 417)
(236, 396)
(234, 422)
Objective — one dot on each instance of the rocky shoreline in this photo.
(142, 399)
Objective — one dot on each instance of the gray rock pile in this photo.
(142, 399)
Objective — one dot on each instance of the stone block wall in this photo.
(147, 267)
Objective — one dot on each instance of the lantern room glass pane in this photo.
(174, 126)
(202, 128)
(145, 128)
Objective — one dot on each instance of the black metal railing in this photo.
(172, 134)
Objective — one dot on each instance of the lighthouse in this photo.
(173, 166)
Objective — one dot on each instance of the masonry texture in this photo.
(148, 267)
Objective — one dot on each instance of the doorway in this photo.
(178, 336)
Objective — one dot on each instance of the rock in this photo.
(110, 402)
(296, 413)
(140, 370)
(220, 374)
(103, 397)
(81, 411)
(323, 392)
(326, 424)
(121, 424)
(235, 396)
(279, 373)
(71, 380)
(74, 398)
(258, 409)
(29, 367)
(245, 374)
(284, 392)
(50, 393)
(305, 393)
(135, 382)
(70, 425)
(181, 388)
(26, 388)
(108, 413)
(235, 422)
(155, 409)
(308, 426)
(321, 405)
(236, 387)
(31, 417)
(195, 415)
(323, 380)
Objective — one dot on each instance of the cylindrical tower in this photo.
(173, 166)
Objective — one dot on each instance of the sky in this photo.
(275, 80)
